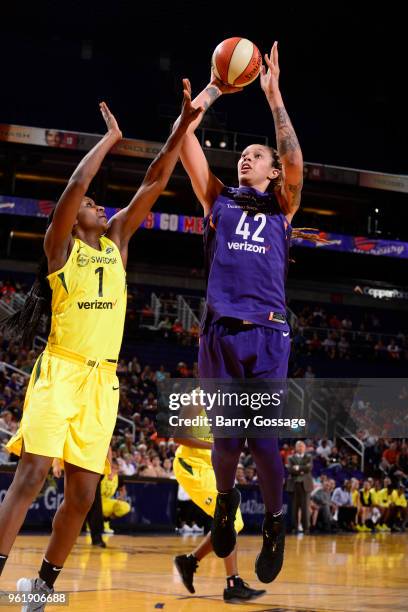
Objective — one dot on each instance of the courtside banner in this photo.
(186, 224)
(291, 408)
(75, 140)
(152, 501)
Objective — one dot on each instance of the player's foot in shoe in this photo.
(239, 591)
(34, 586)
(99, 542)
(186, 566)
(223, 534)
(269, 562)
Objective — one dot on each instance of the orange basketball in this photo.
(236, 61)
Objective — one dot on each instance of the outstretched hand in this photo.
(188, 112)
(270, 79)
(224, 87)
(109, 118)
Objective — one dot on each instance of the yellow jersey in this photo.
(109, 486)
(399, 499)
(385, 497)
(89, 301)
(377, 497)
(366, 497)
(201, 432)
(355, 497)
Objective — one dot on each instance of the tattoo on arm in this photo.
(285, 133)
(213, 94)
(294, 195)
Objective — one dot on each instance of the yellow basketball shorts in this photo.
(198, 480)
(70, 410)
(114, 508)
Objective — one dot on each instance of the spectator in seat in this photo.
(177, 329)
(346, 512)
(156, 465)
(365, 510)
(161, 374)
(300, 485)
(399, 510)
(347, 323)
(314, 344)
(380, 350)
(321, 507)
(390, 457)
(381, 505)
(329, 345)
(343, 347)
(240, 475)
(324, 450)
(168, 468)
(134, 366)
(393, 351)
(402, 462)
(126, 465)
(250, 474)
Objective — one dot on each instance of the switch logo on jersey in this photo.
(82, 260)
(242, 229)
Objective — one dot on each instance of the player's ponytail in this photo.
(309, 233)
(23, 324)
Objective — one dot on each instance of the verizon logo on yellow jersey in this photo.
(95, 305)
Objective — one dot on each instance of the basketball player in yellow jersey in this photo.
(71, 402)
(194, 472)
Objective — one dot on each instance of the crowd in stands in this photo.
(337, 334)
(331, 331)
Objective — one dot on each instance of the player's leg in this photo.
(265, 452)
(200, 484)
(225, 456)
(27, 482)
(237, 590)
(271, 349)
(404, 517)
(79, 493)
(219, 357)
(39, 439)
(108, 504)
(120, 508)
(95, 519)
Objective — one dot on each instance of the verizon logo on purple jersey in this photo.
(247, 246)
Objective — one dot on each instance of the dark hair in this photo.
(309, 233)
(275, 183)
(23, 324)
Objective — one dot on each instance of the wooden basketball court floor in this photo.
(353, 573)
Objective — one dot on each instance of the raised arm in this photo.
(288, 145)
(123, 225)
(205, 184)
(58, 239)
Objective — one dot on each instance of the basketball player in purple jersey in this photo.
(245, 333)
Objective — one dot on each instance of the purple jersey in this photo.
(246, 241)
